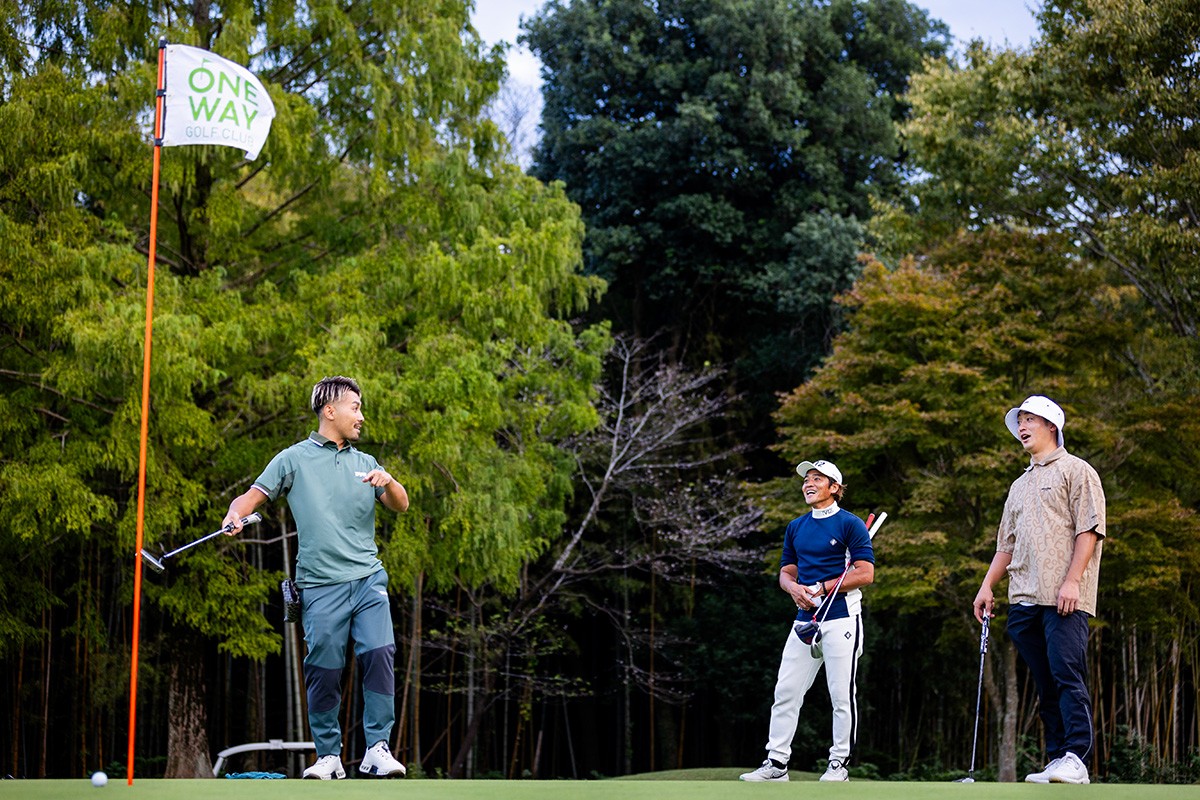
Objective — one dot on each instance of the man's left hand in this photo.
(377, 478)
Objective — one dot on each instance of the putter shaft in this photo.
(159, 564)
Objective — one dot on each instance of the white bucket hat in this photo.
(1044, 407)
(826, 468)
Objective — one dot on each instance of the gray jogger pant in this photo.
(333, 615)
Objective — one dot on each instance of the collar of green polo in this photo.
(323, 441)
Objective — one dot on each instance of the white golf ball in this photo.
(99, 779)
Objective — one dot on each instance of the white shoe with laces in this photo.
(327, 768)
(767, 772)
(836, 771)
(378, 761)
(1070, 769)
(1044, 775)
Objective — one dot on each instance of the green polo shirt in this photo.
(334, 510)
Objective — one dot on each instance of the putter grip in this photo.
(249, 519)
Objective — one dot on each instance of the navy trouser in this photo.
(1054, 648)
(332, 615)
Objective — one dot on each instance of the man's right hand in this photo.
(232, 523)
(983, 603)
(242, 507)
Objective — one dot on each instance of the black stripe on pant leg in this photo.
(854, 692)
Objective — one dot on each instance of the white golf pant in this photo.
(842, 644)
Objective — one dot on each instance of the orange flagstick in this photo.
(145, 428)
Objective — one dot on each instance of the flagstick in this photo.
(145, 428)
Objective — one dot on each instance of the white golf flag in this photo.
(211, 100)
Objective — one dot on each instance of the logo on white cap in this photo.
(1044, 407)
(826, 468)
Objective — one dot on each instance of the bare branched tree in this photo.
(516, 109)
(655, 466)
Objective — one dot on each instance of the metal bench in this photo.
(273, 744)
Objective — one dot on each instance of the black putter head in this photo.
(153, 562)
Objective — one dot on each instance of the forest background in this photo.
(753, 231)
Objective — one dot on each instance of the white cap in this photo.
(1044, 407)
(826, 468)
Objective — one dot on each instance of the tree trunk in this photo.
(187, 734)
(459, 768)
(1012, 702)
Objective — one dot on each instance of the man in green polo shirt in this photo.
(331, 489)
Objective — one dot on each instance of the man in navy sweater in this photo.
(817, 548)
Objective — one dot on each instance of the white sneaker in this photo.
(836, 771)
(1069, 770)
(767, 772)
(378, 761)
(1044, 775)
(326, 768)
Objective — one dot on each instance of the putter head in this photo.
(965, 780)
(153, 562)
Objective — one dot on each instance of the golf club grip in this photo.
(878, 521)
(249, 519)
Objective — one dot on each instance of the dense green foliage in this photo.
(724, 154)
(1091, 132)
(378, 235)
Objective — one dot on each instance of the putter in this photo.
(810, 632)
(159, 565)
(983, 643)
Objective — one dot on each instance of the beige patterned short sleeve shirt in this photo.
(1052, 502)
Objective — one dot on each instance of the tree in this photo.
(651, 455)
(381, 233)
(1089, 132)
(1085, 138)
(910, 405)
(711, 144)
(1089, 136)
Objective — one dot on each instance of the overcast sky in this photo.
(995, 21)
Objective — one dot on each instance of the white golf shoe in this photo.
(1044, 775)
(1070, 769)
(767, 772)
(327, 768)
(378, 761)
(836, 771)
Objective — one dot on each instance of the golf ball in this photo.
(99, 779)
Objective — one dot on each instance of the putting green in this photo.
(642, 787)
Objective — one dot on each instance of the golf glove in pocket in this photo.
(291, 601)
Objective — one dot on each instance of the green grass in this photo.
(698, 784)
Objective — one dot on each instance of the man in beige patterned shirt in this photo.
(1049, 543)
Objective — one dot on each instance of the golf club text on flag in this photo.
(211, 100)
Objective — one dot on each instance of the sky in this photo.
(995, 21)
